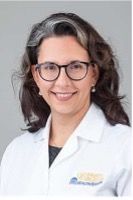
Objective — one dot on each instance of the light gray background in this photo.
(111, 19)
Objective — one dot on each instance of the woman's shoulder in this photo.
(22, 139)
(118, 135)
(119, 129)
(21, 144)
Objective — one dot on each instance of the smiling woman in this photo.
(78, 135)
(65, 91)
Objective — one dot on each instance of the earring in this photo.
(93, 89)
(40, 93)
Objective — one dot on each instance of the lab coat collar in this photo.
(90, 128)
(92, 125)
(43, 133)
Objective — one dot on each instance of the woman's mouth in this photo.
(65, 96)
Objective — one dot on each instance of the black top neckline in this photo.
(51, 146)
(53, 152)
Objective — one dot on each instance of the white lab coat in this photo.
(95, 161)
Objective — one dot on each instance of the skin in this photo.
(69, 100)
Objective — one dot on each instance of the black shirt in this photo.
(53, 152)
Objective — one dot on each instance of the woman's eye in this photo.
(50, 67)
(76, 66)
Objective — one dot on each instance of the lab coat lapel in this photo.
(41, 163)
(90, 129)
(68, 150)
(40, 170)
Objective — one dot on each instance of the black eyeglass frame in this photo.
(38, 66)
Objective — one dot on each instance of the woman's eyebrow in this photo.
(71, 61)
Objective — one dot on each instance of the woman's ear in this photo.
(95, 75)
(34, 74)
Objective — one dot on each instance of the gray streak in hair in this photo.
(47, 29)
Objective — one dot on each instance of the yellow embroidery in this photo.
(90, 177)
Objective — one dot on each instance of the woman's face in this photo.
(65, 96)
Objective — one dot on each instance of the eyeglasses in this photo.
(75, 70)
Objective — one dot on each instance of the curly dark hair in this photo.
(34, 107)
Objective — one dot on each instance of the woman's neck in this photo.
(63, 125)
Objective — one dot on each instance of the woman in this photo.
(78, 136)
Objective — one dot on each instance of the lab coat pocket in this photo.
(86, 183)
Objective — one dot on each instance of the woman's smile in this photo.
(63, 96)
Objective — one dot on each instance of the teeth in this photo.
(63, 95)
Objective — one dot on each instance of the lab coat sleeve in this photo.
(124, 166)
(5, 167)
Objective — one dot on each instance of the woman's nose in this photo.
(63, 78)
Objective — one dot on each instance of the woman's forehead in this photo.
(63, 48)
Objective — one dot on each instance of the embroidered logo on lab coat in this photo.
(86, 178)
